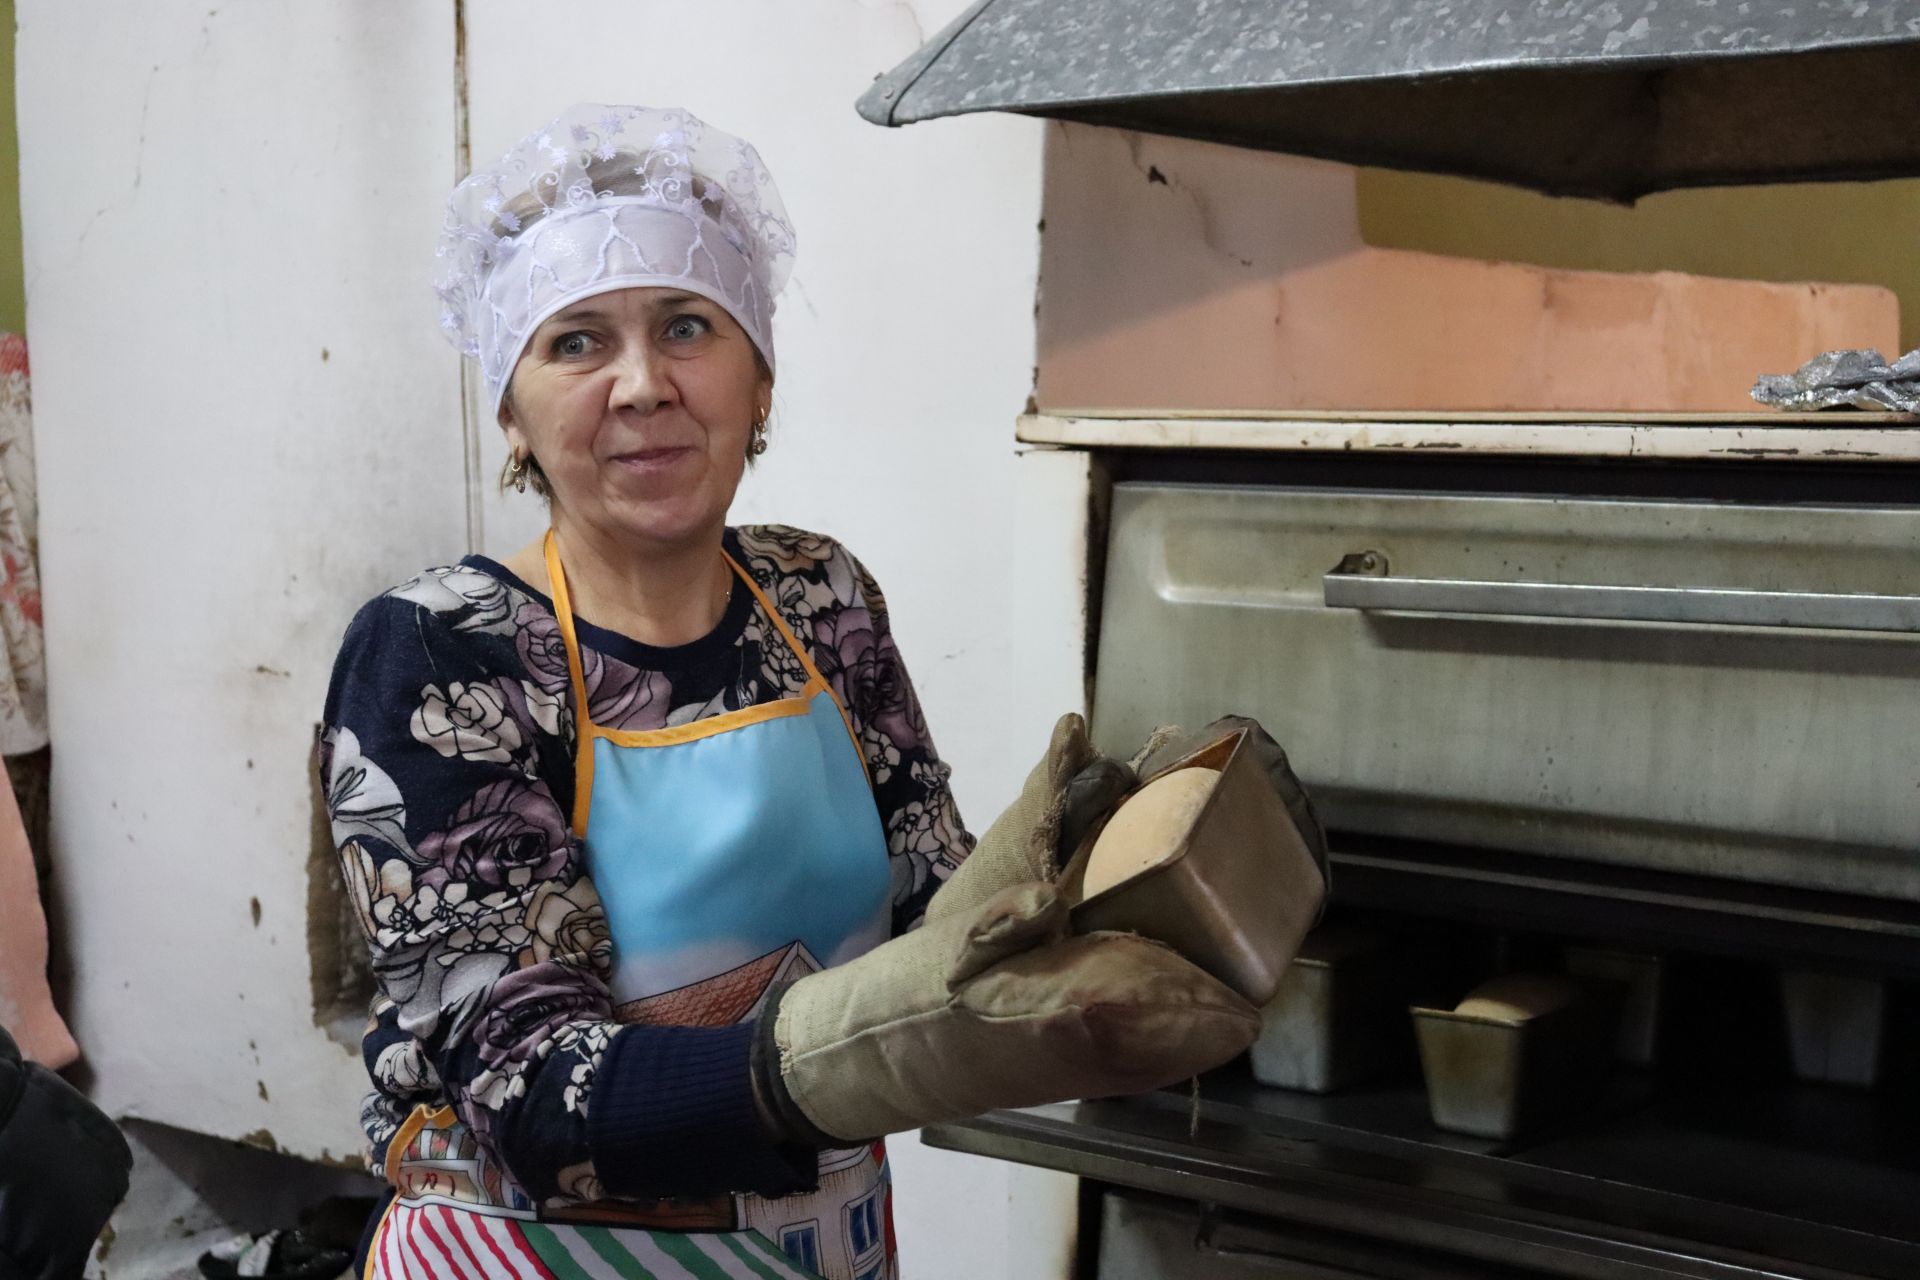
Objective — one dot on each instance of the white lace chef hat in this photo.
(608, 198)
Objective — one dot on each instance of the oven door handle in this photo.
(1361, 581)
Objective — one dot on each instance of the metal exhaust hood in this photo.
(1611, 99)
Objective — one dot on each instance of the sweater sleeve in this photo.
(926, 839)
(441, 745)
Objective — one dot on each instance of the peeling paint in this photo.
(340, 980)
(263, 1139)
(353, 1162)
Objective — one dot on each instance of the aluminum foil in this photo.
(1860, 379)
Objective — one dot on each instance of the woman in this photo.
(641, 822)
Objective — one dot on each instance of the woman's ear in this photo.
(516, 439)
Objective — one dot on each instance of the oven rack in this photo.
(1806, 1181)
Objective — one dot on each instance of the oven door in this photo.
(1715, 688)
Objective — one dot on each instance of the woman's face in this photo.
(638, 405)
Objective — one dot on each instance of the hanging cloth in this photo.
(26, 1005)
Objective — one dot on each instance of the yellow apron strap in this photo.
(584, 727)
(577, 676)
(422, 1117)
(793, 643)
(814, 679)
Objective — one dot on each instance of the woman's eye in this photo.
(572, 344)
(686, 328)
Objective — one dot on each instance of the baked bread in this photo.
(1519, 997)
(1148, 826)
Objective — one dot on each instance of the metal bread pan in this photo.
(1638, 978)
(1235, 893)
(1497, 1079)
(1334, 1022)
(1835, 1023)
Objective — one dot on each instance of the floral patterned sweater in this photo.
(447, 755)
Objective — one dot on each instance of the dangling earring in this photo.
(514, 473)
(757, 445)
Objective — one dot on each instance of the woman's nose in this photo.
(642, 380)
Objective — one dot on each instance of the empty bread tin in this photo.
(1235, 892)
(1638, 979)
(1334, 1021)
(1835, 1026)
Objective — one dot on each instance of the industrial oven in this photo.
(1647, 688)
(1631, 695)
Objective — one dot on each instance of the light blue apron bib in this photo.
(744, 839)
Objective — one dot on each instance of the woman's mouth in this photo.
(651, 461)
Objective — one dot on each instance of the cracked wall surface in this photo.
(227, 211)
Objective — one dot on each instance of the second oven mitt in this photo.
(1071, 788)
(995, 1006)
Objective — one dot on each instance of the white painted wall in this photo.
(214, 195)
(241, 430)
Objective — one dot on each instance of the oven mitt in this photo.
(1071, 788)
(992, 1003)
(993, 1007)
(1075, 786)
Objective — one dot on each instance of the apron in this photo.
(731, 854)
